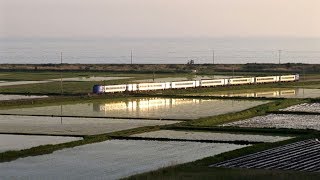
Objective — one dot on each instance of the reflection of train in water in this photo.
(276, 93)
(98, 89)
(144, 104)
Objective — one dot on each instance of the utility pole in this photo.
(131, 57)
(212, 56)
(153, 77)
(61, 86)
(279, 56)
(232, 71)
(304, 77)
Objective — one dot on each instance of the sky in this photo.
(159, 18)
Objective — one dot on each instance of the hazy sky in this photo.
(159, 18)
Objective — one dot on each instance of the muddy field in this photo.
(300, 156)
(305, 107)
(280, 121)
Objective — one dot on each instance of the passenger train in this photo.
(99, 89)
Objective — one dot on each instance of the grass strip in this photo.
(241, 130)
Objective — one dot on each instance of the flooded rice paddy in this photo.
(77, 79)
(71, 126)
(289, 121)
(169, 79)
(19, 142)
(14, 83)
(93, 78)
(305, 107)
(213, 136)
(5, 97)
(271, 93)
(113, 159)
(160, 108)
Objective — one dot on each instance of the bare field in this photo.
(299, 156)
(289, 121)
(305, 107)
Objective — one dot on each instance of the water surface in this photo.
(271, 93)
(160, 108)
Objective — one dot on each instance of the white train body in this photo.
(98, 89)
(238, 81)
(212, 82)
(267, 79)
(287, 78)
(115, 88)
(167, 85)
(184, 84)
(151, 86)
(132, 87)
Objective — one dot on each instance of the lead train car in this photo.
(98, 89)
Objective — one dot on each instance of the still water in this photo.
(160, 50)
(161, 108)
(271, 93)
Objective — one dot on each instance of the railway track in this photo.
(299, 156)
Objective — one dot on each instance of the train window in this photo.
(207, 82)
(242, 80)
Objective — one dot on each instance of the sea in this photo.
(159, 50)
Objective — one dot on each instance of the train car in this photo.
(183, 84)
(238, 81)
(131, 87)
(151, 86)
(288, 78)
(167, 85)
(115, 88)
(212, 82)
(267, 79)
(98, 89)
